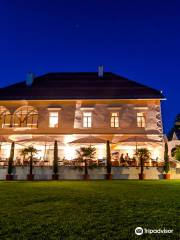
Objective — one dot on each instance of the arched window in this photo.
(5, 117)
(26, 116)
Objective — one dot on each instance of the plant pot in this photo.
(167, 176)
(9, 177)
(86, 176)
(108, 176)
(30, 177)
(142, 176)
(55, 176)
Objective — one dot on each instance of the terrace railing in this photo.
(75, 162)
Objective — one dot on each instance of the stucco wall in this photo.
(70, 116)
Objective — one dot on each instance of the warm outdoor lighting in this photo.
(5, 150)
(21, 137)
(69, 152)
(69, 109)
(101, 152)
(155, 153)
(68, 138)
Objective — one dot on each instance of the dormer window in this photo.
(87, 119)
(114, 119)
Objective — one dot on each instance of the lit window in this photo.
(115, 120)
(26, 116)
(141, 120)
(87, 119)
(53, 119)
(5, 117)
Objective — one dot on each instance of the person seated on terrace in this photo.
(127, 158)
(135, 161)
(122, 160)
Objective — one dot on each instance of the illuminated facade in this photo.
(70, 106)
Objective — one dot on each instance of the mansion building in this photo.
(79, 109)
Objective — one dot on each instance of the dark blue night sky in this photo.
(135, 38)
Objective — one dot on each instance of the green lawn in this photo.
(88, 210)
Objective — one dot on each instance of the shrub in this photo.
(177, 153)
(108, 157)
(166, 159)
(55, 161)
(10, 162)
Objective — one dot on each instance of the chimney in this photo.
(29, 79)
(100, 71)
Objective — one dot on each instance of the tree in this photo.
(177, 153)
(143, 154)
(108, 159)
(55, 161)
(30, 151)
(10, 162)
(24, 153)
(175, 129)
(166, 158)
(86, 155)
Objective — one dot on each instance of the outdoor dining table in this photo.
(3, 162)
(25, 162)
(46, 162)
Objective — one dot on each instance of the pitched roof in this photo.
(79, 85)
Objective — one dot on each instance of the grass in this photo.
(76, 210)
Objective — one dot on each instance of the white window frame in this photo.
(114, 121)
(87, 119)
(141, 119)
(52, 118)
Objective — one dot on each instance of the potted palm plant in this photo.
(108, 163)
(143, 154)
(55, 175)
(24, 153)
(9, 175)
(86, 155)
(31, 151)
(166, 175)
